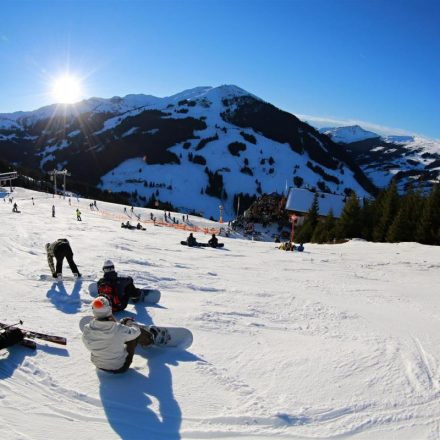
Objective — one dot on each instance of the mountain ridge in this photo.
(215, 142)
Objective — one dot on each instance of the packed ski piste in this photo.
(156, 332)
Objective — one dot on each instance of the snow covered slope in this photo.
(337, 342)
(409, 159)
(198, 149)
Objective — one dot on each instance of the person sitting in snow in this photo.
(111, 343)
(191, 241)
(300, 248)
(213, 241)
(59, 250)
(118, 289)
(10, 337)
(140, 227)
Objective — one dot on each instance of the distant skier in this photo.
(15, 208)
(53, 210)
(78, 215)
(112, 344)
(59, 250)
(118, 289)
(10, 337)
(33, 202)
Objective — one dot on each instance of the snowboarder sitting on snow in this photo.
(10, 336)
(140, 227)
(118, 289)
(127, 225)
(60, 249)
(213, 241)
(112, 343)
(191, 241)
(300, 248)
(15, 208)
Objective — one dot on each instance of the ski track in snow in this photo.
(337, 342)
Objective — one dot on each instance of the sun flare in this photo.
(67, 89)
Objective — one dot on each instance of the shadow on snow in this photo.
(140, 407)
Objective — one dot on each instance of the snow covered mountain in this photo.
(349, 134)
(409, 159)
(197, 149)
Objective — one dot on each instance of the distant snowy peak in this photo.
(349, 134)
(399, 139)
(118, 105)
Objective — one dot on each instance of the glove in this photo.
(54, 275)
(127, 321)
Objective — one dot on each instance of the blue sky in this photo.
(373, 62)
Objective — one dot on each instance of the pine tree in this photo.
(387, 208)
(403, 228)
(349, 225)
(306, 231)
(429, 222)
(367, 218)
(325, 230)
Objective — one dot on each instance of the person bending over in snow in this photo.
(60, 249)
(118, 289)
(112, 343)
(10, 336)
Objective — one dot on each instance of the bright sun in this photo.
(66, 89)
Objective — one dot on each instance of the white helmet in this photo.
(108, 266)
(101, 307)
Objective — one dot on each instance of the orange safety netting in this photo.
(183, 227)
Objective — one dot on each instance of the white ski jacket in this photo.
(106, 342)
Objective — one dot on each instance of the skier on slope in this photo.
(118, 289)
(78, 215)
(112, 343)
(60, 249)
(10, 336)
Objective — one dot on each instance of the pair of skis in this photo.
(30, 335)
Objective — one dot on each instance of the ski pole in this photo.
(12, 325)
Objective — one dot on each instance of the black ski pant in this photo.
(10, 337)
(62, 251)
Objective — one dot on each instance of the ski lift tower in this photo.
(54, 175)
(4, 177)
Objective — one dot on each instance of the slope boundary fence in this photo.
(183, 227)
